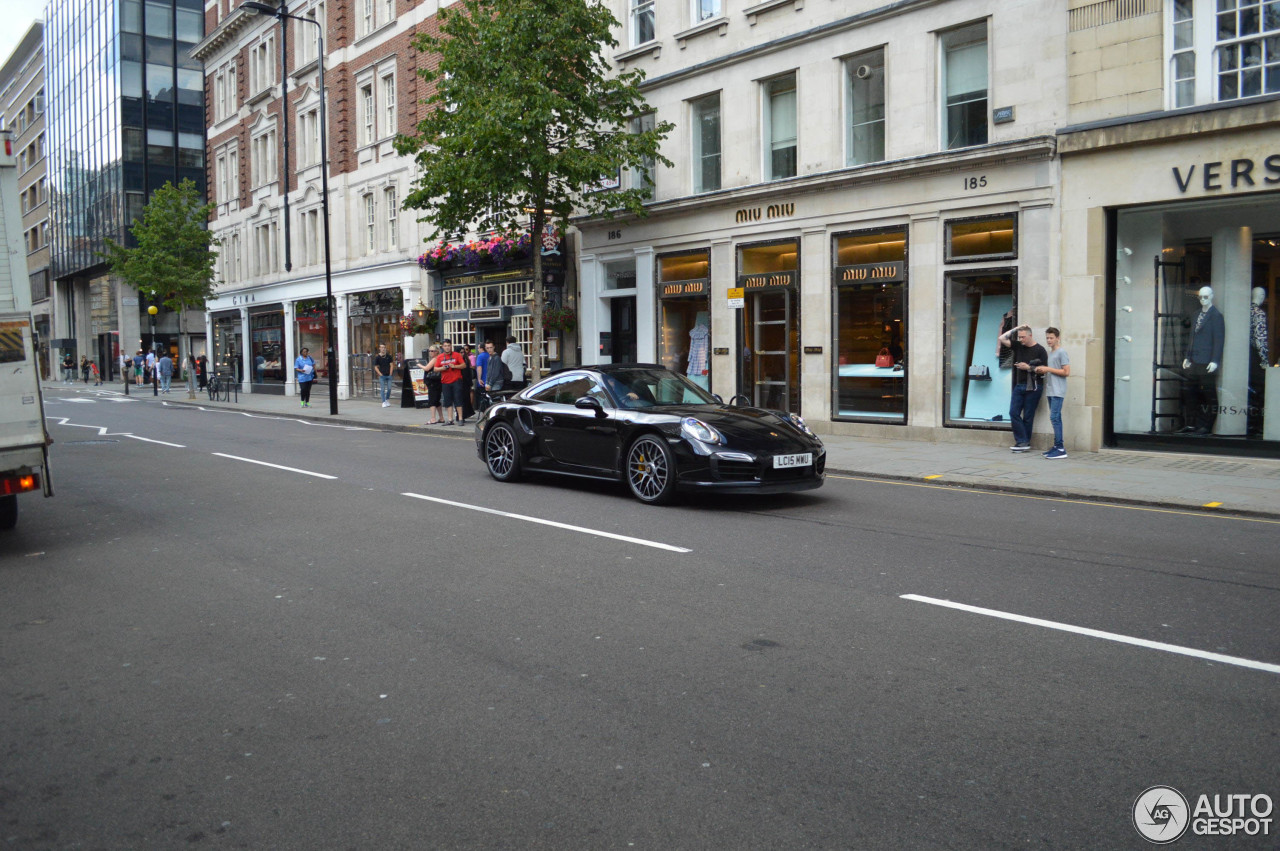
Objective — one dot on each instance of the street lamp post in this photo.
(281, 13)
(155, 367)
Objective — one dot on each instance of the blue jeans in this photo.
(1055, 417)
(164, 383)
(1022, 412)
(384, 386)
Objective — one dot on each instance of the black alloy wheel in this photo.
(651, 470)
(502, 453)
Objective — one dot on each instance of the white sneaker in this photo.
(386, 404)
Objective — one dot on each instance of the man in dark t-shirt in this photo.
(1027, 385)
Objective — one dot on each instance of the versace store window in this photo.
(375, 321)
(769, 371)
(228, 344)
(684, 336)
(871, 331)
(1193, 314)
(980, 305)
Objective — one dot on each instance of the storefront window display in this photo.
(228, 344)
(871, 332)
(312, 333)
(684, 288)
(769, 369)
(1195, 346)
(982, 239)
(266, 331)
(980, 306)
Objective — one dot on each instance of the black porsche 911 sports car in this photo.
(651, 428)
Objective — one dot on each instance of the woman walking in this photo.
(305, 370)
(432, 380)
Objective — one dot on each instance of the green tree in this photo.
(524, 120)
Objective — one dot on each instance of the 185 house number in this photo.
(975, 182)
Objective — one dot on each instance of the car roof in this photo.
(605, 367)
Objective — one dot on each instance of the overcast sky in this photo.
(19, 15)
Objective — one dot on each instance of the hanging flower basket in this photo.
(497, 250)
(559, 319)
(411, 324)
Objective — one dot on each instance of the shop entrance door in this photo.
(769, 353)
(623, 325)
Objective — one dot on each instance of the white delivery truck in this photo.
(24, 440)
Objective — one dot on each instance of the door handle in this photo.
(548, 421)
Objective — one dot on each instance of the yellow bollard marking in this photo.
(1211, 505)
(927, 478)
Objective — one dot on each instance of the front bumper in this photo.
(737, 475)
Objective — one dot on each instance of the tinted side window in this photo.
(548, 390)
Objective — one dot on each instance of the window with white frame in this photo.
(230, 255)
(641, 22)
(365, 115)
(370, 223)
(391, 197)
(705, 113)
(367, 21)
(309, 39)
(265, 248)
(1222, 50)
(388, 105)
(780, 127)
(262, 164)
(642, 177)
(311, 235)
(262, 65)
(964, 86)
(388, 11)
(704, 10)
(309, 137)
(226, 96)
(864, 108)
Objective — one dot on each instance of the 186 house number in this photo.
(975, 182)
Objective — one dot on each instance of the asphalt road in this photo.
(200, 650)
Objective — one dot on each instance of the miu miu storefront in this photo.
(863, 300)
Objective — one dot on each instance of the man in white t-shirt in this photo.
(513, 357)
(1055, 387)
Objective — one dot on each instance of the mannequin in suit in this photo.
(1203, 357)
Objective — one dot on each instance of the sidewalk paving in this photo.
(1247, 486)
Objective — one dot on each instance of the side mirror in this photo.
(590, 403)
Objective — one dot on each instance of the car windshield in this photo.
(644, 388)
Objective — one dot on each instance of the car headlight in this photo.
(798, 422)
(696, 429)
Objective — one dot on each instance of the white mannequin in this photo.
(1206, 302)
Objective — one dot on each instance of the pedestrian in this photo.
(126, 366)
(164, 367)
(68, 368)
(432, 381)
(450, 365)
(304, 368)
(496, 373)
(482, 373)
(382, 369)
(94, 374)
(138, 362)
(259, 368)
(468, 382)
(513, 357)
(202, 371)
(1055, 372)
(150, 366)
(84, 368)
(1027, 386)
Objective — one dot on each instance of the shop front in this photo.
(869, 303)
(266, 354)
(374, 319)
(684, 337)
(1190, 279)
(311, 331)
(228, 345)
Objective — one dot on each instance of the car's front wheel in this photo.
(502, 453)
(651, 470)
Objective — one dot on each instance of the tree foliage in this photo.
(524, 119)
(174, 259)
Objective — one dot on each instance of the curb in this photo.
(981, 486)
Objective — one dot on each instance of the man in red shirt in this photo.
(450, 365)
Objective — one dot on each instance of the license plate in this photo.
(792, 460)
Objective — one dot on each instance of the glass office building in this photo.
(125, 116)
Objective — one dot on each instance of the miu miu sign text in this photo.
(773, 211)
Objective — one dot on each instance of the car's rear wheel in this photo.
(502, 453)
(651, 470)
